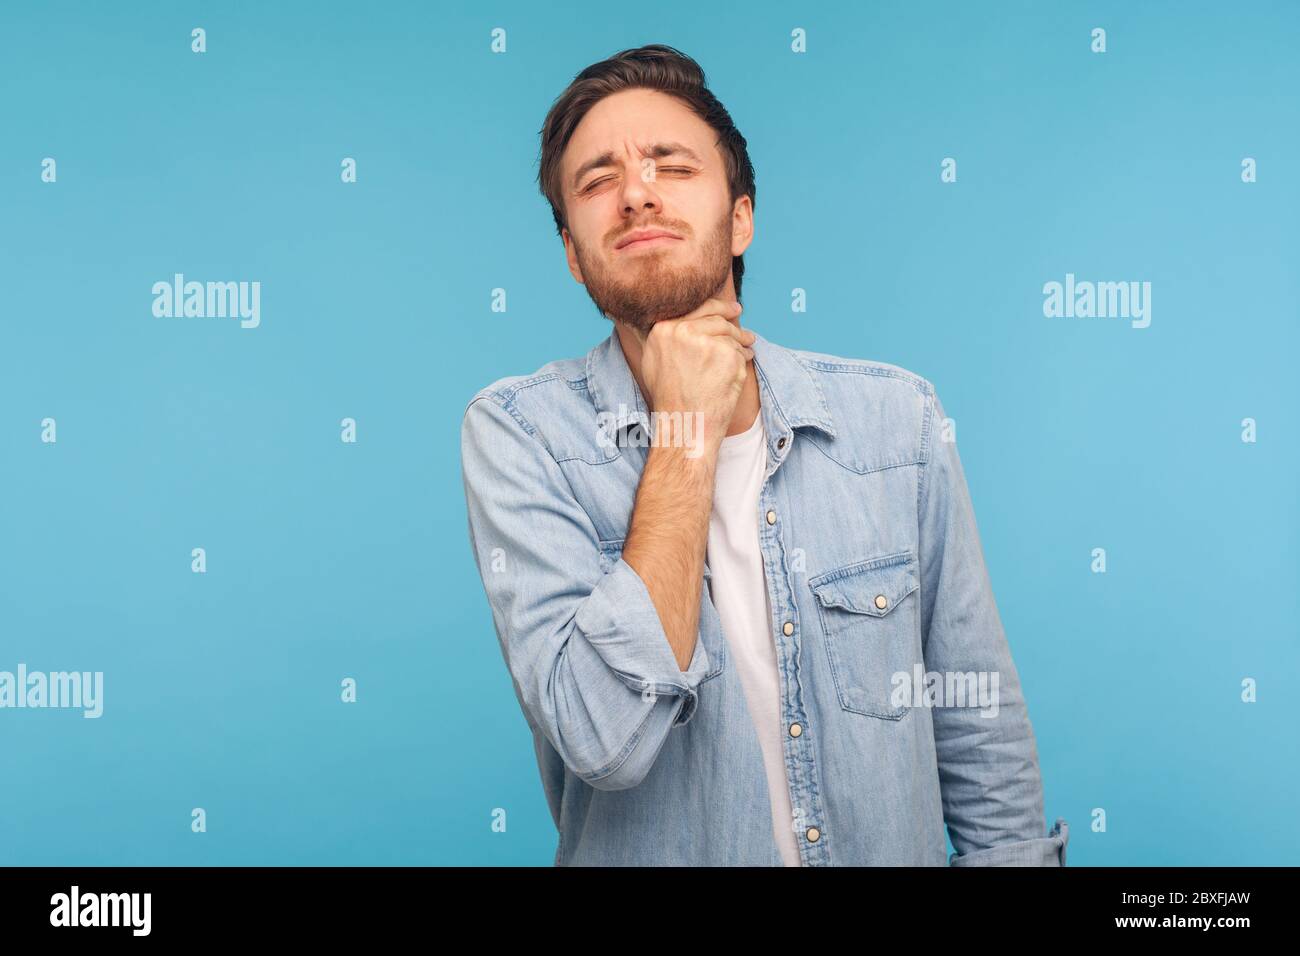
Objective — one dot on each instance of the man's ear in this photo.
(571, 254)
(742, 225)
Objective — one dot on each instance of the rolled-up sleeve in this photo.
(987, 756)
(587, 654)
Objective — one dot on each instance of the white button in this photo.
(795, 730)
(771, 517)
(881, 601)
(788, 628)
(813, 834)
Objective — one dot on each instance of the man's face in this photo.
(640, 160)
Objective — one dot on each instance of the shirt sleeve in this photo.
(987, 757)
(587, 654)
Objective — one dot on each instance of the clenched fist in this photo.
(697, 363)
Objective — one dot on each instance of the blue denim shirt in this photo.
(873, 565)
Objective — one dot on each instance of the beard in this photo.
(648, 286)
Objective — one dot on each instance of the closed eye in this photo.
(666, 169)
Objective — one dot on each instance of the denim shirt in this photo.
(874, 569)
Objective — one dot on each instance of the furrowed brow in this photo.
(656, 150)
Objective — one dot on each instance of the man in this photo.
(725, 574)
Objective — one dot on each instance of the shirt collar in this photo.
(789, 395)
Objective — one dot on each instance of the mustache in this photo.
(679, 230)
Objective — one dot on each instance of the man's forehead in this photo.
(645, 128)
(639, 114)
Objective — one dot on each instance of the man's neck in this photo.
(747, 406)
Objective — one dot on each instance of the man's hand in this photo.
(697, 363)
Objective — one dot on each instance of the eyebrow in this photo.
(656, 150)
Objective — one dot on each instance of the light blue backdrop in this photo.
(328, 560)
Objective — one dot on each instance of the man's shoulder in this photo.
(551, 382)
(863, 373)
(552, 404)
(882, 412)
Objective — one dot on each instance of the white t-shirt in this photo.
(740, 594)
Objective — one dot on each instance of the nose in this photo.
(638, 194)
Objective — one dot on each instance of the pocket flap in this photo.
(874, 586)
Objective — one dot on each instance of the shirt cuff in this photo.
(1043, 851)
(620, 621)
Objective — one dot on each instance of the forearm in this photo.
(668, 536)
(584, 643)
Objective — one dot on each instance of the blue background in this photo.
(328, 560)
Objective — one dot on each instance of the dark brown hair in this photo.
(653, 67)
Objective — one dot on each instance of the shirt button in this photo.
(881, 601)
(813, 834)
(780, 443)
(788, 628)
(771, 517)
(795, 730)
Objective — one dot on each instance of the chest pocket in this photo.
(710, 633)
(868, 617)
